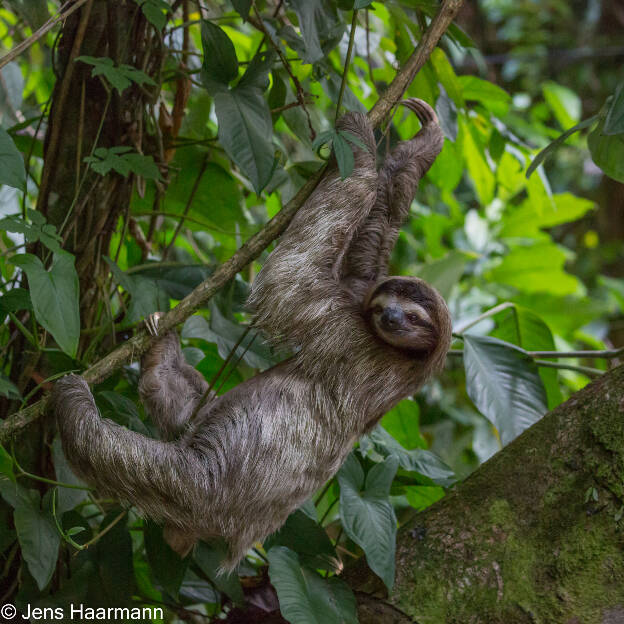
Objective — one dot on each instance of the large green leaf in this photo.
(444, 273)
(527, 219)
(401, 422)
(54, 295)
(304, 596)
(209, 556)
(307, 538)
(490, 95)
(145, 294)
(12, 170)
(564, 103)
(479, 170)
(607, 151)
(225, 333)
(367, 515)
(527, 330)
(220, 63)
(112, 559)
(536, 268)
(614, 121)
(36, 530)
(8, 388)
(321, 27)
(168, 567)
(504, 384)
(447, 76)
(428, 465)
(215, 197)
(67, 498)
(245, 131)
(448, 168)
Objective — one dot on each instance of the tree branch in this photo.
(519, 541)
(254, 246)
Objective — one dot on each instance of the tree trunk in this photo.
(534, 535)
(82, 204)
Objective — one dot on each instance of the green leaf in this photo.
(321, 27)
(155, 12)
(614, 121)
(220, 64)
(401, 422)
(305, 597)
(198, 590)
(8, 388)
(564, 103)
(177, 281)
(444, 273)
(209, 556)
(55, 297)
(479, 170)
(307, 538)
(447, 77)
(257, 73)
(367, 515)
(168, 567)
(536, 268)
(6, 462)
(37, 230)
(225, 333)
(421, 496)
(607, 151)
(490, 95)
(245, 131)
(217, 199)
(504, 384)
(527, 330)
(146, 295)
(448, 168)
(112, 560)
(68, 498)
(427, 464)
(122, 161)
(14, 300)
(12, 170)
(36, 531)
(527, 219)
(242, 7)
(344, 156)
(120, 77)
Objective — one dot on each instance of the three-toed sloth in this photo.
(361, 340)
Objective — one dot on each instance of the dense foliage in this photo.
(233, 111)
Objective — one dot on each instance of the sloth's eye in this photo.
(413, 318)
(377, 309)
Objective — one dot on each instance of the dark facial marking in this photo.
(392, 318)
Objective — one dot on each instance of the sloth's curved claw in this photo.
(151, 323)
(424, 112)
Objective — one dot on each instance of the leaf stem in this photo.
(586, 370)
(487, 314)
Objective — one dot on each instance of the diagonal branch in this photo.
(256, 244)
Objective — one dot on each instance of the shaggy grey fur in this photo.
(255, 454)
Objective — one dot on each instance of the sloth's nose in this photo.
(392, 317)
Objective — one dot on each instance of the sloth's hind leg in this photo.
(170, 388)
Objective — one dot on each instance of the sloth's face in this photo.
(404, 312)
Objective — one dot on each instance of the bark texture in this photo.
(523, 539)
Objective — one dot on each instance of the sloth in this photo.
(360, 342)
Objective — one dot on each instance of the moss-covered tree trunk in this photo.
(535, 535)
